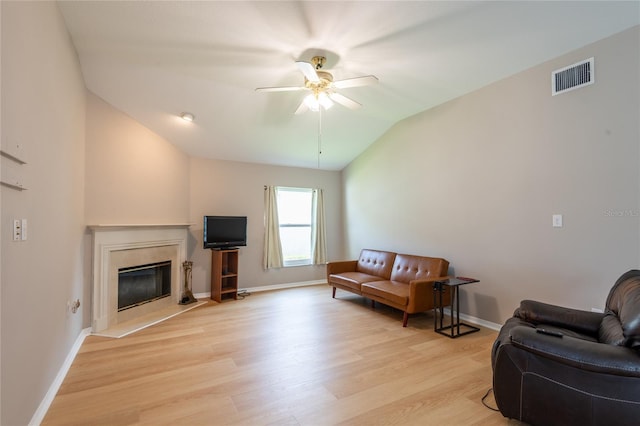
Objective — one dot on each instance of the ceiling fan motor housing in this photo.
(319, 86)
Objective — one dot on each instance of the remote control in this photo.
(549, 332)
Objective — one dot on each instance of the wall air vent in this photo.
(572, 77)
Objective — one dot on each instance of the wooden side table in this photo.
(453, 329)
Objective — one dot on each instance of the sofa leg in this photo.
(334, 293)
(405, 319)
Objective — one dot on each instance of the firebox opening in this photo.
(142, 284)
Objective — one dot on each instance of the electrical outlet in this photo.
(17, 230)
(556, 220)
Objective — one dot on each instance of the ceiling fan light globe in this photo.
(312, 103)
(324, 100)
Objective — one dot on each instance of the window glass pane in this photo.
(294, 206)
(296, 244)
(294, 213)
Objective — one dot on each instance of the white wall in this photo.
(237, 189)
(477, 180)
(43, 109)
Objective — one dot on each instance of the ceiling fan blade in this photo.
(356, 82)
(280, 89)
(302, 108)
(309, 72)
(344, 101)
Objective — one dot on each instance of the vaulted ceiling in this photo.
(156, 59)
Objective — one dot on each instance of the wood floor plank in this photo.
(286, 357)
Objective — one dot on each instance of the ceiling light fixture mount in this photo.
(187, 116)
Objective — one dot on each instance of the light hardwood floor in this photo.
(287, 357)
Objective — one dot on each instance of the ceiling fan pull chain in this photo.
(319, 135)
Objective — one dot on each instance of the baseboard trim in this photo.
(475, 320)
(38, 416)
(268, 288)
(282, 286)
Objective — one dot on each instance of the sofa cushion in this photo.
(393, 291)
(376, 263)
(352, 279)
(407, 268)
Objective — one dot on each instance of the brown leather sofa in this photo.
(561, 366)
(402, 281)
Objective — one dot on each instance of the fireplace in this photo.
(150, 258)
(142, 284)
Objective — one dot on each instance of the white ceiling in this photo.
(156, 59)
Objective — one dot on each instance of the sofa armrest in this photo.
(340, 267)
(574, 319)
(579, 353)
(421, 294)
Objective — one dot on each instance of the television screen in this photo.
(225, 231)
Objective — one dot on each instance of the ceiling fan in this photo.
(322, 87)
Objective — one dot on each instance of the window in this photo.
(294, 231)
(295, 212)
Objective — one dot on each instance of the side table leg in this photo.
(440, 305)
(435, 308)
(458, 309)
(452, 293)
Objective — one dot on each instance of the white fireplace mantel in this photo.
(109, 239)
(114, 226)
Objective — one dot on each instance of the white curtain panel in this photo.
(318, 232)
(272, 257)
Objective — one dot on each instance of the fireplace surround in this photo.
(117, 247)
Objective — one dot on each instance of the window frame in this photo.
(299, 262)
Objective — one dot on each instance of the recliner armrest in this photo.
(574, 319)
(583, 354)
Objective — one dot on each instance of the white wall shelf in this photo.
(11, 170)
(16, 185)
(12, 157)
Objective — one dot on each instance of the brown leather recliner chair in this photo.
(562, 366)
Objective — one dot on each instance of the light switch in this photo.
(24, 230)
(557, 220)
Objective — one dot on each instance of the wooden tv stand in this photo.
(224, 274)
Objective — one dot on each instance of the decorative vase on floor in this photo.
(187, 295)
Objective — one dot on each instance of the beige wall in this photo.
(230, 188)
(477, 180)
(133, 175)
(43, 108)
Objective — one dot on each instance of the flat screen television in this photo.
(221, 232)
